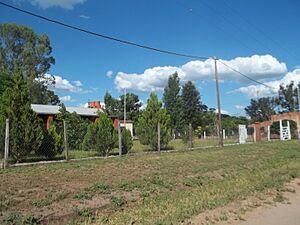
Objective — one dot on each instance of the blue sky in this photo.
(258, 38)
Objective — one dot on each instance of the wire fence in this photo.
(62, 142)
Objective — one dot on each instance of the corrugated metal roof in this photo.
(54, 109)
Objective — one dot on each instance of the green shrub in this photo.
(52, 144)
(127, 142)
(101, 135)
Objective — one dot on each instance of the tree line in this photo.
(25, 59)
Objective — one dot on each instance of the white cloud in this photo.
(222, 111)
(84, 16)
(239, 106)
(64, 84)
(109, 73)
(66, 98)
(254, 91)
(77, 83)
(259, 67)
(66, 4)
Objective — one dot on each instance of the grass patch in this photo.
(153, 188)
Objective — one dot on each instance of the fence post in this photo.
(158, 137)
(66, 141)
(269, 133)
(190, 136)
(120, 139)
(6, 147)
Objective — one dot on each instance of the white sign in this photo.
(242, 134)
(285, 132)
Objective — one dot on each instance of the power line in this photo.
(237, 27)
(260, 30)
(126, 42)
(244, 75)
(104, 36)
(195, 13)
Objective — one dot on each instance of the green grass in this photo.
(165, 188)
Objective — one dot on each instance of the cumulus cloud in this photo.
(66, 98)
(109, 73)
(83, 105)
(64, 84)
(259, 67)
(253, 91)
(65, 4)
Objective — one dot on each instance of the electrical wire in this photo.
(104, 36)
(244, 75)
(128, 42)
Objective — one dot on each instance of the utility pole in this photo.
(125, 108)
(219, 106)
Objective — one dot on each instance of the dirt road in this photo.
(282, 214)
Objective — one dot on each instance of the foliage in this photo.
(287, 98)
(148, 121)
(26, 132)
(52, 144)
(115, 107)
(133, 105)
(192, 106)
(76, 127)
(111, 105)
(22, 49)
(101, 135)
(127, 142)
(173, 103)
(261, 109)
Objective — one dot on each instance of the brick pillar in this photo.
(257, 131)
(49, 120)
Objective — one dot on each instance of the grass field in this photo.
(166, 188)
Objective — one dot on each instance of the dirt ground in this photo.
(276, 207)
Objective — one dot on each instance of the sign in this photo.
(242, 134)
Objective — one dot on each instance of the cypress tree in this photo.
(148, 121)
(26, 132)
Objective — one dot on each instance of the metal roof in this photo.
(54, 109)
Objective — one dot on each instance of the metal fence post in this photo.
(158, 137)
(66, 142)
(120, 139)
(6, 148)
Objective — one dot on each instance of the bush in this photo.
(127, 142)
(101, 135)
(52, 144)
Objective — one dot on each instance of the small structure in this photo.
(128, 124)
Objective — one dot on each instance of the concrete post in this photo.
(6, 147)
(269, 134)
(204, 135)
(280, 127)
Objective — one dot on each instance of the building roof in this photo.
(54, 109)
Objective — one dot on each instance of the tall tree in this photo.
(192, 106)
(147, 124)
(133, 105)
(261, 109)
(111, 104)
(288, 97)
(26, 133)
(173, 103)
(24, 50)
(115, 107)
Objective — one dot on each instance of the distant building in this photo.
(48, 112)
(128, 125)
